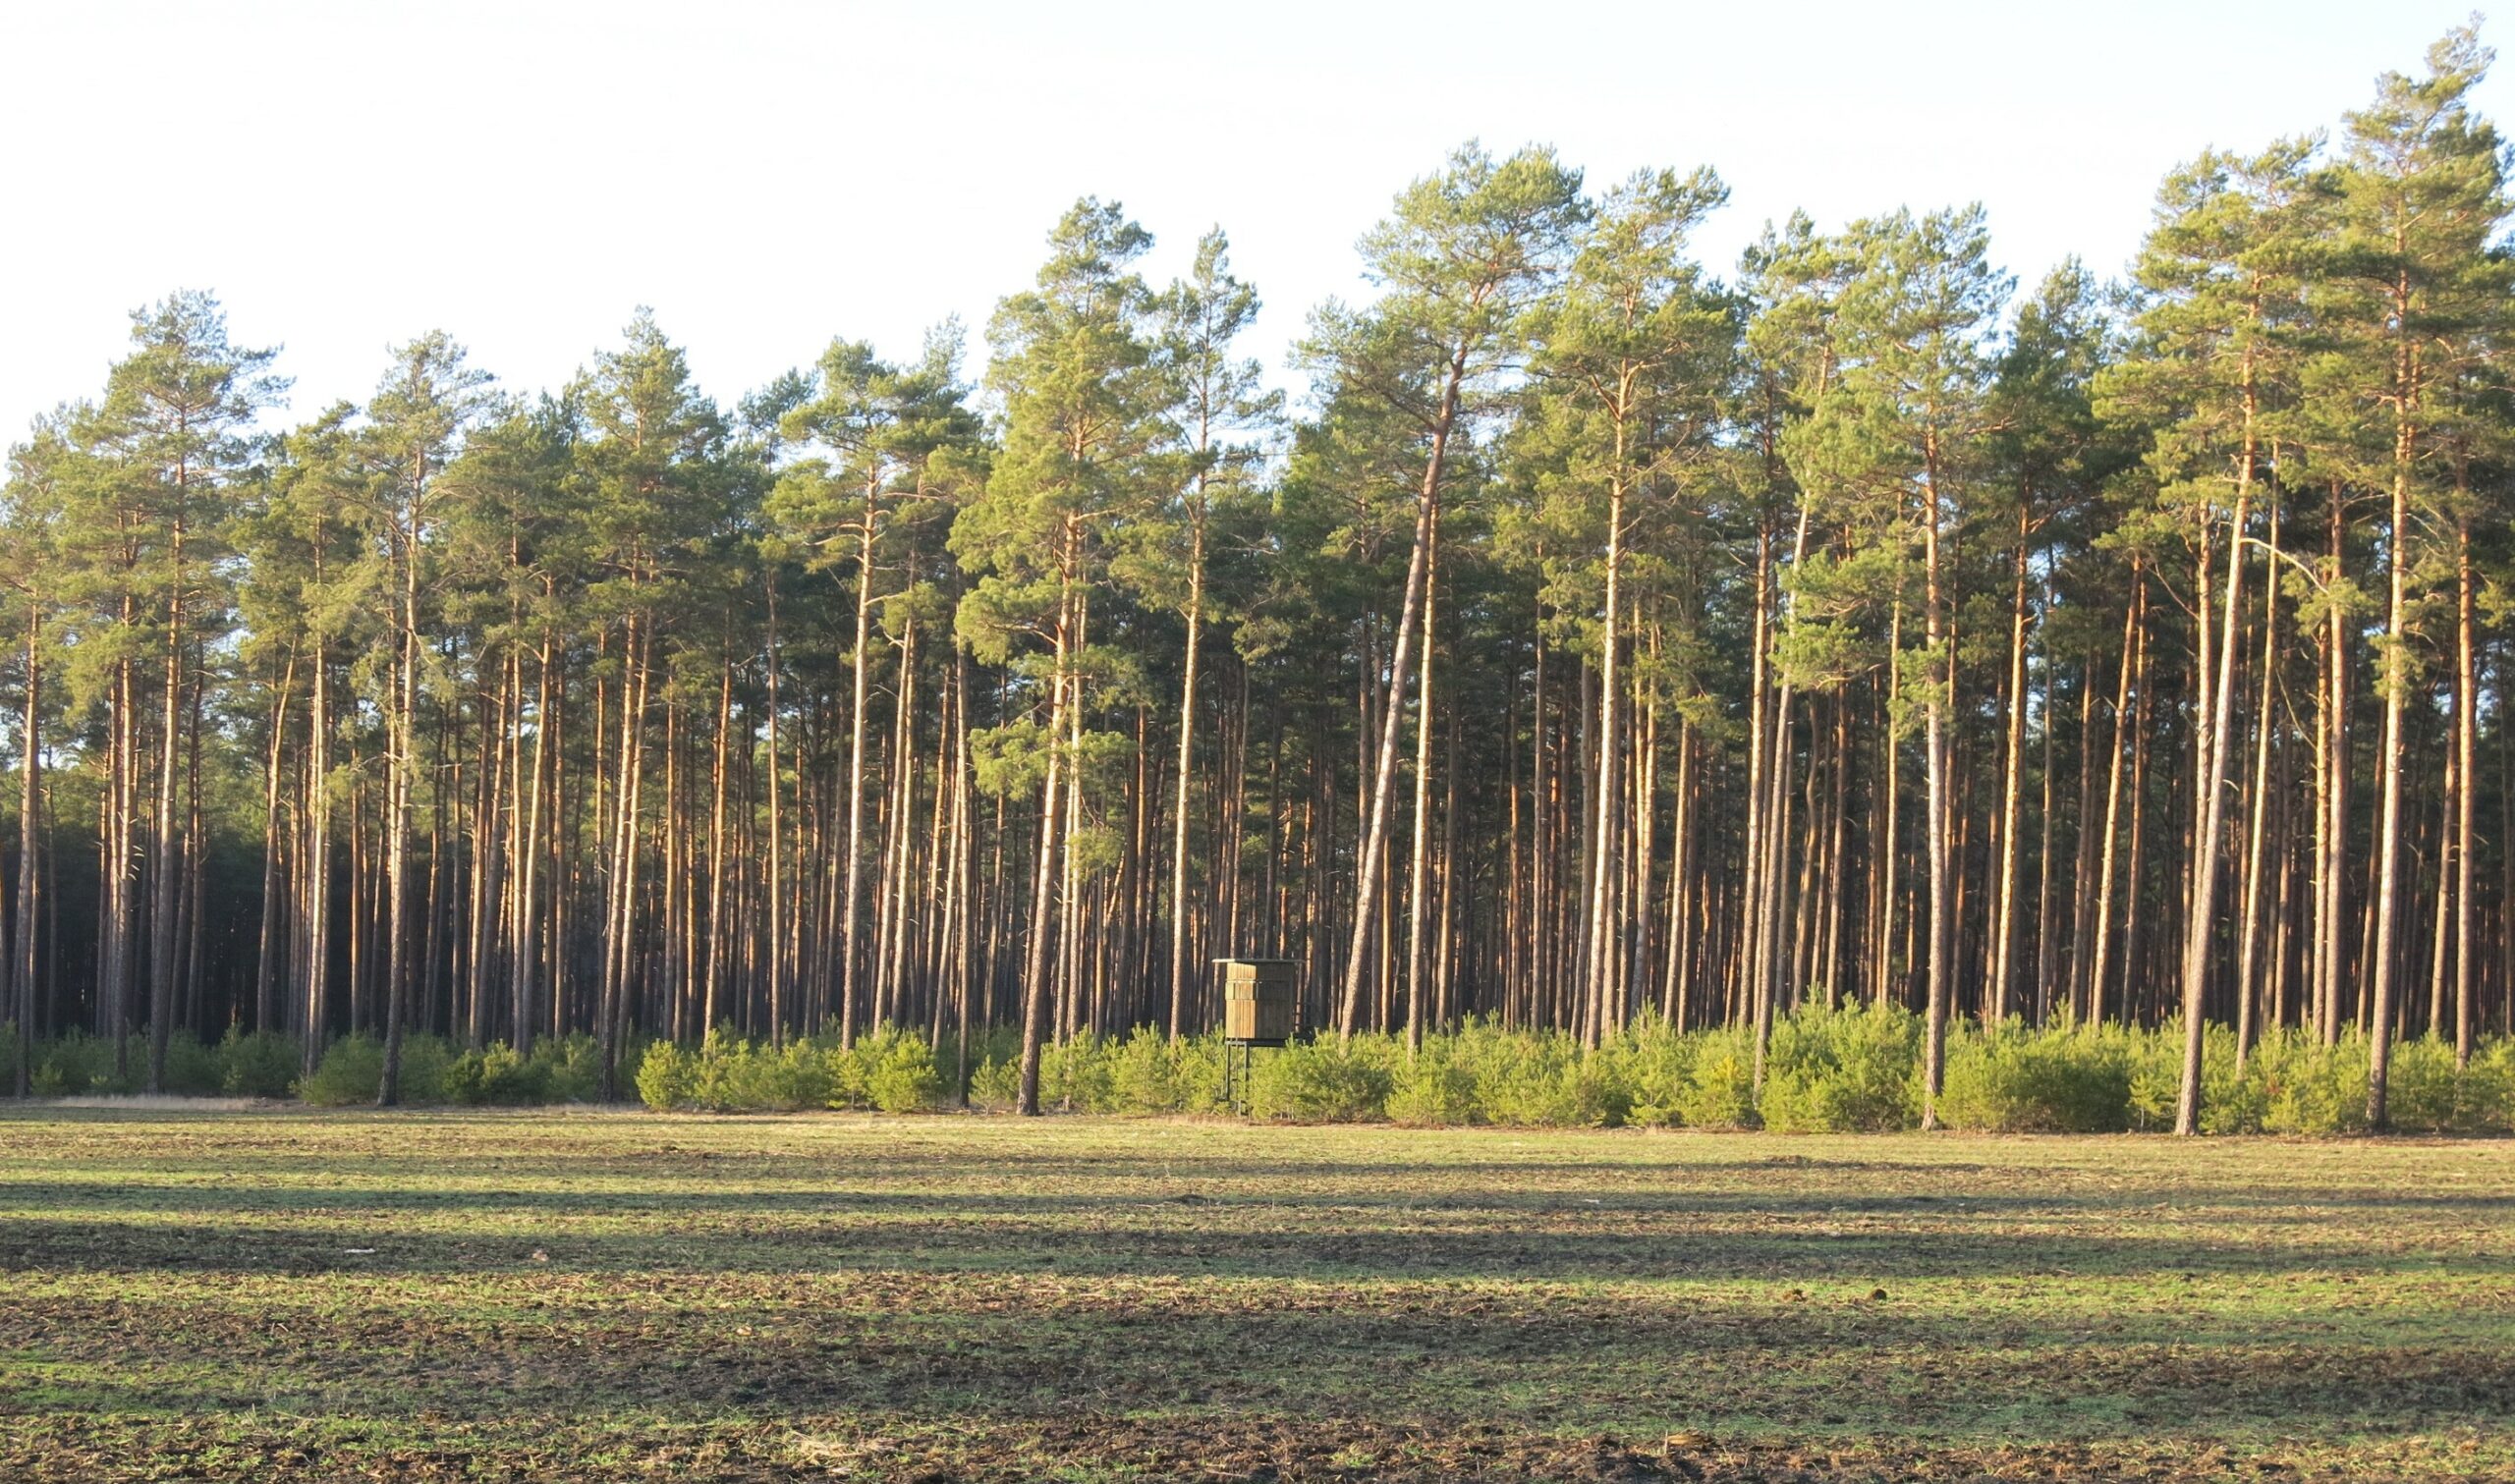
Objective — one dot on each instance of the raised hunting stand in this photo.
(1260, 1008)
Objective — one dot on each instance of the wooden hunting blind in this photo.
(1260, 1007)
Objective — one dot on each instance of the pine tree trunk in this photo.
(1035, 967)
(2201, 915)
(2002, 999)
(314, 973)
(1941, 681)
(2390, 762)
(1187, 765)
(2466, 817)
(1374, 841)
(1421, 844)
(776, 884)
(851, 904)
(2256, 825)
(29, 815)
(266, 957)
(166, 849)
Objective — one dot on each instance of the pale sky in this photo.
(348, 175)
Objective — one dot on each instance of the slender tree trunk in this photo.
(2390, 761)
(30, 841)
(314, 974)
(1415, 965)
(851, 904)
(2202, 916)
(526, 947)
(1605, 860)
(2256, 825)
(166, 849)
(2003, 1000)
(777, 906)
(717, 938)
(401, 769)
(1187, 765)
(266, 957)
(1941, 683)
(1375, 844)
(2466, 772)
(1035, 966)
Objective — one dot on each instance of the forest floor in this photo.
(280, 1296)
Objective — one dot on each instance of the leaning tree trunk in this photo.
(2203, 914)
(1375, 842)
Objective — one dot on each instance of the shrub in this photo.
(996, 1083)
(1074, 1074)
(1719, 1090)
(425, 1062)
(1315, 1081)
(568, 1070)
(1433, 1089)
(1852, 1068)
(497, 1076)
(1842, 1070)
(891, 1069)
(2312, 1088)
(261, 1063)
(1146, 1075)
(751, 1077)
(1653, 1062)
(76, 1065)
(2016, 1080)
(2423, 1091)
(667, 1076)
(350, 1070)
(2492, 1091)
(192, 1068)
(1541, 1079)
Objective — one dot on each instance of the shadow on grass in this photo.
(1046, 1235)
(1870, 1372)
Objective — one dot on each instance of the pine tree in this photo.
(2423, 194)
(2219, 352)
(1460, 259)
(1081, 395)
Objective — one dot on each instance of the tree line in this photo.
(1601, 636)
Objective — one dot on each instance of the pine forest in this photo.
(1593, 636)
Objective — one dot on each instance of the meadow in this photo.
(254, 1292)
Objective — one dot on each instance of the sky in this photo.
(346, 176)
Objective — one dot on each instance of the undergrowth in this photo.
(1824, 1070)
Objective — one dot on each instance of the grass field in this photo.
(286, 1296)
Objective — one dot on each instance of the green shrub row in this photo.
(265, 1064)
(75, 1064)
(564, 1071)
(1849, 1069)
(890, 1068)
(1846, 1071)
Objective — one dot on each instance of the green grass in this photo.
(286, 1296)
